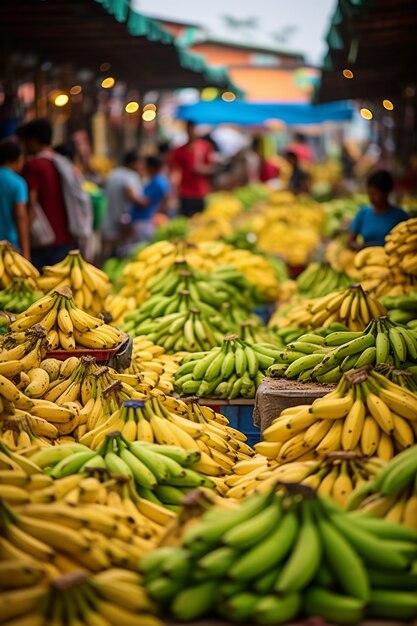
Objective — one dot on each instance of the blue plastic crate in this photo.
(241, 418)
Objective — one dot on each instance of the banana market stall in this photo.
(142, 495)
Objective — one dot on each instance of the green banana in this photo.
(248, 533)
(343, 561)
(277, 610)
(194, 602)
(267, 553)
(304, 560)
(393, 604)
(333, 607)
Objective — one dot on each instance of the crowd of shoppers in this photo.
(45, 210)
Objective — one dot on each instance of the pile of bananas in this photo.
(233, 370)
(167, 421)
(341, 258)
(319, 279)
(401, 246)
(198, 302)
(279, 557)
(22, 481)
(205, 257)
(113, 597)
(392, 494)
(157, 367)
(87, 536)
(325, 359)
(366, 414)
(380, 276)
(401, 309)
(93, 392)
(27, 348)
(335, 475)
(68, 326)
(18, 296)
(352, 307)
(118, 306)
(162, 474)
(185, 330)
(90, 286)
(14, 265)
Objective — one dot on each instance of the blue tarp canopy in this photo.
(253, 114)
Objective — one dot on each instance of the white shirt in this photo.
(120, 180)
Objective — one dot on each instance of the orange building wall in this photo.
(262, 84)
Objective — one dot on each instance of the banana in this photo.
(333, 607)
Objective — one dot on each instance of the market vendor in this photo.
(372, 223)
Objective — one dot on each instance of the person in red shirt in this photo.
(45, 189)
(192, 165)
(300, 147)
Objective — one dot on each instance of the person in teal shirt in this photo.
(14, 220)
(373, 223)
(155, 193)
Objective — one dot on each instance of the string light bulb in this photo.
(61, 100)
(132, 107)
(108, 83)
(366, 114)
(388, 105)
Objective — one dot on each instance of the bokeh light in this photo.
(366, 114)
(61, 100)
(347, 73)
(149, 115)
(132, 107)
(388, 105)
(108, 83)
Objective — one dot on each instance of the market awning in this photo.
(377, 43)
(89, 32)
(250, 114)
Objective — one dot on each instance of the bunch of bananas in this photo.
(167, 421)
(89, 285)
(214, 288)
(14, 265)
(200, 303)
(341, 258)
(233, 370)
(118, 306)
(366, 413)
(334, 476)
(252, 333)
(379, 276)
(68, 327)
(113, 597)
(392, 494)
(85, 488)
(93, 392)
(319, 279)
(184, 330)
(325, 359)
(162, 474)
(352, 307)
(68, 537)
(401, 246)
(18, 296)
(26, 347)
(23, 431)
(401, 309)
(279, 557)
(406, 377)
(205, 257)
(157, 367)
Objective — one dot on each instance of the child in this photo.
(14, 220)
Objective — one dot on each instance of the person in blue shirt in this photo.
(14, 219)
(155, 193)
(373, 223)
